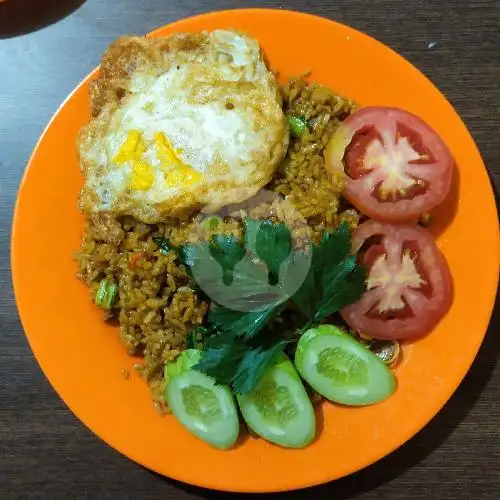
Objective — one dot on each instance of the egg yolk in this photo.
(132, 148)
(182, 176)
(177, 173)
(131, 151)
(143, 176)
(169, 158)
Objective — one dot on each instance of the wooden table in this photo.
(45, 452)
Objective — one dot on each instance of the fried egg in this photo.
(189, 122)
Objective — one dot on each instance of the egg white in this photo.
(217, 105)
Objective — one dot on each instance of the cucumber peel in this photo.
(205, 409)
(341, 369)
(279, 409)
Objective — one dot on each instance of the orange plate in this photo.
(83, 357)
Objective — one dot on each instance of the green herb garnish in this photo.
(334, 279)
(273, 244)
(242, 347)
(163, 244)
(106, 294)
(227, 251)
(298, 125)
(238, 362)
(238, 323)
(212, 222)
(227, 271)
(198, 335)
(187, 254)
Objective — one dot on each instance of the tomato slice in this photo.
(397, 167)
(409, 286)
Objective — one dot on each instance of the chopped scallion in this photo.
(106, 294)
(211, 223)
(298, 125)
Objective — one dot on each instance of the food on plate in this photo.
(156, 306)
(341, 369)
(216, 284)
(188, 122)
(298, 125)
(279, 409)
(106, 294)
(204, 408)
(408, 284)
(396, 166)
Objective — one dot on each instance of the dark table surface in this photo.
(46, 47)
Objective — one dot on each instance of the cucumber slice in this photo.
(342, 369)
(279, 409)
(202, 407)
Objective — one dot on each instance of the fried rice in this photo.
(157, 305)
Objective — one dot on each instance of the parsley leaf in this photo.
(229, 271)
(240, 324)
(227, 251)
(334, 279)
(236, 363)
(249, 288)
(221, 358)
(187, 254)
(197, 336)
(163, 244)
(298, 125)
(254, 364)
(273, 245)
(238, 346)
(346, 292)
(306, 296)
(252, 227)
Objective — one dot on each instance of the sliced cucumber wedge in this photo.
(202, 407)
(279, 409)
(341, 369)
